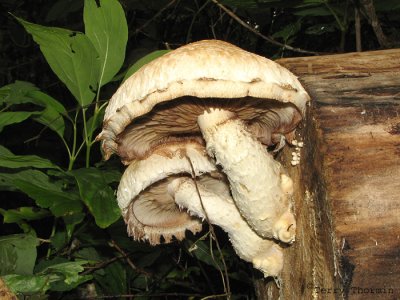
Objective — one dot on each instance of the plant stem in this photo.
(53, 231)
(73, 154)
(87, 138)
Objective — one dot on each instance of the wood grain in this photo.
(348, 184)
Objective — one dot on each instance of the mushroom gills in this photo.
(207, 199)
(259, 186)
(148, 211)
(175, 121)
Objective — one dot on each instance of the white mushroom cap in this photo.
(148, 210)
(203, 69)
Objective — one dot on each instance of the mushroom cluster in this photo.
(194, 127)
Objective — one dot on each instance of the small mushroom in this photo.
(204, 200)
(148, 210)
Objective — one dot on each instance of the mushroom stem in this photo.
(259, 187)
(220, 210)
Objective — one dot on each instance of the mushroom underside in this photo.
(176, 120)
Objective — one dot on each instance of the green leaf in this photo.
(58, 277)
(8, 118)
(10, 160)
(46, 193)
(114, 279)
(15, 93)
(17, 254)
(23, 214)
(71, 221)
(144, 60)
(29, 284)
(25, 92)
(71, 56)
(106, 27)
(52, 115)
(70, 271)
(97, 195)
(288, 31)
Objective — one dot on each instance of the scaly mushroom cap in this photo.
(205, 69)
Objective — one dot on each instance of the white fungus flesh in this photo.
(219, 209)
(258, 184)
(150, 213)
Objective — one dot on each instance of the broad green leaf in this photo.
(8, 117)
(17, 254)
(97, 195)
(58, 277)
(71, 56)
(70, 271)
(106, 27)
(29, 284)
(52, 115)
(25, 92)
(58, 240)
(10, 160)
(288, 31)
(46, 193)
(144, 60)
(15, 93)
(71, 221)
(113, 280)
(23, 214)
(89, 253)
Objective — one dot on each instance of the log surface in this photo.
(348, 199)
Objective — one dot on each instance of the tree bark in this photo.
(348, 183)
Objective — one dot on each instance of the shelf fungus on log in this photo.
(215, 103)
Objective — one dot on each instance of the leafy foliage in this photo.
(63, 233)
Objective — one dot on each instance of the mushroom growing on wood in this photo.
(258, 183)
(219, 209)
(209, 95)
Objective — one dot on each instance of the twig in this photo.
(267, 38)
(374, 21)
(154, 17)
(357, 28)
(189, 33)
(129, 261)
(225, 279)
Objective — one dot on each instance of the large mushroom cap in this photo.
(205, 69)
